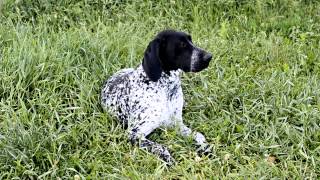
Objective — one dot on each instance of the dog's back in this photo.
(114, 94)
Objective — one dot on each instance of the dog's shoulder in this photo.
(116, 86)
(119, 79)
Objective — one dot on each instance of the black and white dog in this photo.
(150, 96)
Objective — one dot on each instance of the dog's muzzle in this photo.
(200, 60)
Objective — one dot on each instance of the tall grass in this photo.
(258, 102)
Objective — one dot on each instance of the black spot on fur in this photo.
(116, 81)
(173, 92)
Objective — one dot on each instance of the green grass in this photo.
(260, 97)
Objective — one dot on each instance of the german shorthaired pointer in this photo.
(150, 96)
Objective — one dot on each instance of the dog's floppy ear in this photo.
(151, 60)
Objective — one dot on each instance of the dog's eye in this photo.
(183, 44)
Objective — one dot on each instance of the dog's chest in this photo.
(167, 90)
(164, 95)
(167, 95)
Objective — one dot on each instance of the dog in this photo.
(150, 96)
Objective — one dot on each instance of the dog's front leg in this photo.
(203, 147)
(138, 136)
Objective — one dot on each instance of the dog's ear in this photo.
(151, 61)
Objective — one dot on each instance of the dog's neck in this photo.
(165, 76)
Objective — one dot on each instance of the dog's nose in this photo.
(207, 57)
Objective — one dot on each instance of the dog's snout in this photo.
(207, 57)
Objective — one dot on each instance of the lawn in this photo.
(258, 103)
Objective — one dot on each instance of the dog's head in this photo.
(172, 50)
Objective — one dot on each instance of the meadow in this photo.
(258, 102)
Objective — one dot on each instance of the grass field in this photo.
(258, 103)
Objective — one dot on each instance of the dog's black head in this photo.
(172, 50)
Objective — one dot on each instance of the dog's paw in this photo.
(169, 161)
(204, 150)
(167, 158)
